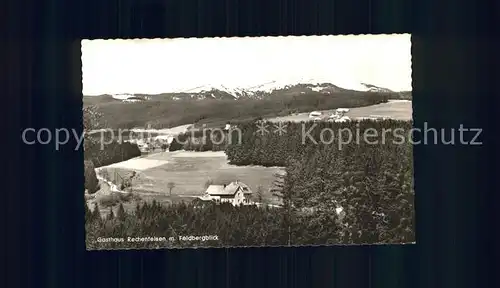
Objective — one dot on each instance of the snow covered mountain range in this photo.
(257, 91)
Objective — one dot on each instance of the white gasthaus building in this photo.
(236, 193)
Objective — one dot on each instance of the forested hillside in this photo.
(166, 113)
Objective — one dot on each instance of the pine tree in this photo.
(96, 214)
(120, 214)
(111, 215)
(91, 181)
(175, 145)
(138, 210)
(88, 213)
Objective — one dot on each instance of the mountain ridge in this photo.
(221, 105)
(260, 91)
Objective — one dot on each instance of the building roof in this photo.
(233, 187)
(229, 189)
(215, 190)
(203, 198)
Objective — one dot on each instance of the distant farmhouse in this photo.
(337, 116)
(235, 193)
(230, 126)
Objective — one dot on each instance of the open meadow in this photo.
(189, 172)
(394, 109)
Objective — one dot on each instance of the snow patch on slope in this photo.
(312, 84)
(270, 86)
(235, 92)
(123, 96)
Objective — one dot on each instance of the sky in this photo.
(153, 66)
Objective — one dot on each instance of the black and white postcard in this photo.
(248, 142)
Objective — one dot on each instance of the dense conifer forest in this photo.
(369, 178)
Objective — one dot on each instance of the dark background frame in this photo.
(43, 212)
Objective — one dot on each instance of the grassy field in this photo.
(395, 109)
(189, 171)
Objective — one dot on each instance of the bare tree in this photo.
(170, 185)
(208, 183)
